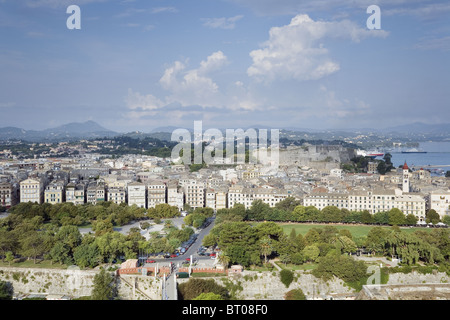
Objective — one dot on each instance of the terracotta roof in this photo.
(405, 166)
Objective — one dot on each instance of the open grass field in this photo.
(357, 231)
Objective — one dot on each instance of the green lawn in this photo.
(356, 230)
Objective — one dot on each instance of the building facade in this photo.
(32, 190)
(137, 194)
(156, 193)
(54, 192)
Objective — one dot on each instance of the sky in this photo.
(136, 65)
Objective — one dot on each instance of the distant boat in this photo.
(413, 150)
(371, 154)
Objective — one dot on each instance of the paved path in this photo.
(275, 265)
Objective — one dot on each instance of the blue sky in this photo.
(139, 64)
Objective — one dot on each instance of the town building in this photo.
(246, 196)
(440, 202)
(54, 192)
(137, 194)
(76, 193)
(116, 195)
(156, 193)
(195, 193)
(32, 190)
(175, 195)
(96, 192)
(7, 195)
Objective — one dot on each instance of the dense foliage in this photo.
(52, 232)
(197, 288)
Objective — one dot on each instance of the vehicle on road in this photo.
(150, 261)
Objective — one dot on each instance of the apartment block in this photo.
(246, 196)
(440, 201)
(7, 195)
(195, 193)
(116, 195)
(210, 198)
(54, 192)
(96, 192)
(321, 200)
(175, 195)
(373, 201)
(156, 193)
(32, 190)
(137, 194)
(76, 193)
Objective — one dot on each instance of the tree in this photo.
(163, 210)
(346, 244)
(60, 253)
(299, 213)
(381, 168)
(266, 247)
(258, 210)
(104, 288)
(87, 255)
(6, 290)
(288, 204)
(100, 227)
(311, 252)
(195, 287)
(9, 257)
(381, 217)
(33, 245)
(8, 242)
(396, 217)
(366, 217)
(343, 267)
(446, 220)
(208, 296)
(432, 217)
(331, 214)
(295, 294)
(411, 219)
(376, 240)
(286, 277)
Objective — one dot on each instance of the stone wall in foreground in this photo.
(77, 283)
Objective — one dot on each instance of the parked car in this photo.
(173, 255)
(150, 261)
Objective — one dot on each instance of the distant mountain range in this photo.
(91, 129)
(74, 130)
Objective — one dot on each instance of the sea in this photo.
(437, 156)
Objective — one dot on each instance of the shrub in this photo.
(194, 287)
(295, 294)
(286, 277)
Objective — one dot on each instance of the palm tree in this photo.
(223, 259)
(266, 247)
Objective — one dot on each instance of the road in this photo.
(192, 250)
(170, 291)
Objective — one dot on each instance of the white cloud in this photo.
(136, 101)
(296, 51)
(164, 9)
(222, 23)
(336, 107)
(434, 43)
(193, 87)
(58, 3)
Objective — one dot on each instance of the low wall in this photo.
(77, 283)
(199, 270)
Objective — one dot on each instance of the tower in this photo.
(405, 179)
